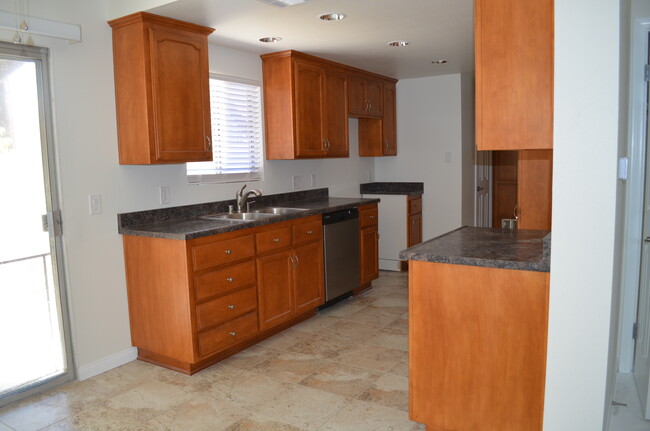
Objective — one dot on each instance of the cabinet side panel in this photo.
(477, 340)
(278, 109)
(133, 126)
(159, 296)
(534, 189)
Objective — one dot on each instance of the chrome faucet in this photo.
(242, 198)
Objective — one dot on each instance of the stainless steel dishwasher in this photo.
(341, 251)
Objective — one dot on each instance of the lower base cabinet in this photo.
(368, 244)
(193, 303)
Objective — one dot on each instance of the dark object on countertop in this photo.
(392, 188)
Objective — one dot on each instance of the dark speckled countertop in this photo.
(391, 188)
(526, 250)
(186, 222)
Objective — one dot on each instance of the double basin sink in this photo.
(257, 214)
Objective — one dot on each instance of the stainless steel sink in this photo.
(278, 210)
(238, 216)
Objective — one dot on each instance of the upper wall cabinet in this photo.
(307, 102)
(162, 90)
(304, 107)
(514, 74)
(365, 96)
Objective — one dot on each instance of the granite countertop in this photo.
(186, 222)
(527, 250)
(392, 188)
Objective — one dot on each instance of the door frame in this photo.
(633, 217)
(41, 58)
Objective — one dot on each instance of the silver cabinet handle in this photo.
(647, 239)
(386, 145)
(297, 260)
(324, 144)
(309, 232)
(229, 279)
(209, 141)
(371, 217)
(233, 333)
(328, 144)
(276, 239)
(292, 262)
(369, 105)
(231, 306)
(228, 251)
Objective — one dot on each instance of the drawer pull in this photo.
(309, 232)
(231, 306)
(229, 279)
(233, 333)
(228, 251)
(276, 239)
(371, 217)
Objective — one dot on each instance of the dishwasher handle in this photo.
(339, 216)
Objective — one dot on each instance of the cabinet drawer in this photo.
(226, 307)
(273, 239)
(306, 232)
(221, 252)
(228, 334)
(368, 217)
(225, 279)
(415, 205)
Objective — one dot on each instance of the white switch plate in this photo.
(313, 180)
(95, 204)
(622, 168)
(447, 157)
(164, 195)
(296, 182)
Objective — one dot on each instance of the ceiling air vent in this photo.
(283, 3)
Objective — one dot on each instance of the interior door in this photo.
(642, 348)
(483, 204)
(35, 353)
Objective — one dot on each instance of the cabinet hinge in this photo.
(635, 329)
(646, 72)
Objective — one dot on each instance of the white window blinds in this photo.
(236, 135)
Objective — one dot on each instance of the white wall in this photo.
(584, 202)
(86, 147)
(430, 124)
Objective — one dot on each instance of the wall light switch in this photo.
(622, 168)
(296, 182)
(313, 180)
(164, 195)
(95, 204)
(447, 157)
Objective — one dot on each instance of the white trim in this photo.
(634, 193)
(108, 363)
(41, 26)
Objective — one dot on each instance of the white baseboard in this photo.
(390, 264)
(108, 363)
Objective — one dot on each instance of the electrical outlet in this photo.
(447, 157)
(296, 182)
(95, 204)
(313, 180)
(164, 195)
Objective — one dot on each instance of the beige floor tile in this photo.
(303, 407)
(323, 346)
(248, 390)
(401, 368)
(284, 339)
(389, 339)
(40, 411)
(373, 357)
(391, 305)
(290, 366)
(341, 379)
(247, 359)
(342, 309)
(363, 416)
(102, 419)
(399, 325)
(352, 331)
(253, 424)
(317, 324)
(199, 414)
(372, 316)
(362, 299)
(149, 399)
(389, 390)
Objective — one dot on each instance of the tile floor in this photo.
(345, 369)
(628, 417)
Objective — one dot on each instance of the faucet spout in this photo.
(242, 198)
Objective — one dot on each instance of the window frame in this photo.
(234, 177)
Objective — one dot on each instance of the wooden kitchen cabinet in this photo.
(514, 74)
(534, 189)
(193, 303)
(378, 137)
(368, 244)
(304, 107)
(161, 90)
(365, 96)
(414, 220)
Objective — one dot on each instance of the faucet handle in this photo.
(241, 192)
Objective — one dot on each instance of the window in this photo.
(236, 115)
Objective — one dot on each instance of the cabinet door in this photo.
(369, 254)
(534, 189)
(308, 106)
(374, 96)
(308, 275)
(356, 95)
(179, 73)
(275, 299)
(335, 117)
(414, 229)
(514, 74)
(389, 122)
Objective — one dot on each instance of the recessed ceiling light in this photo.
(439, 61)
(398, 43)
(332, 16)
(270, 39)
